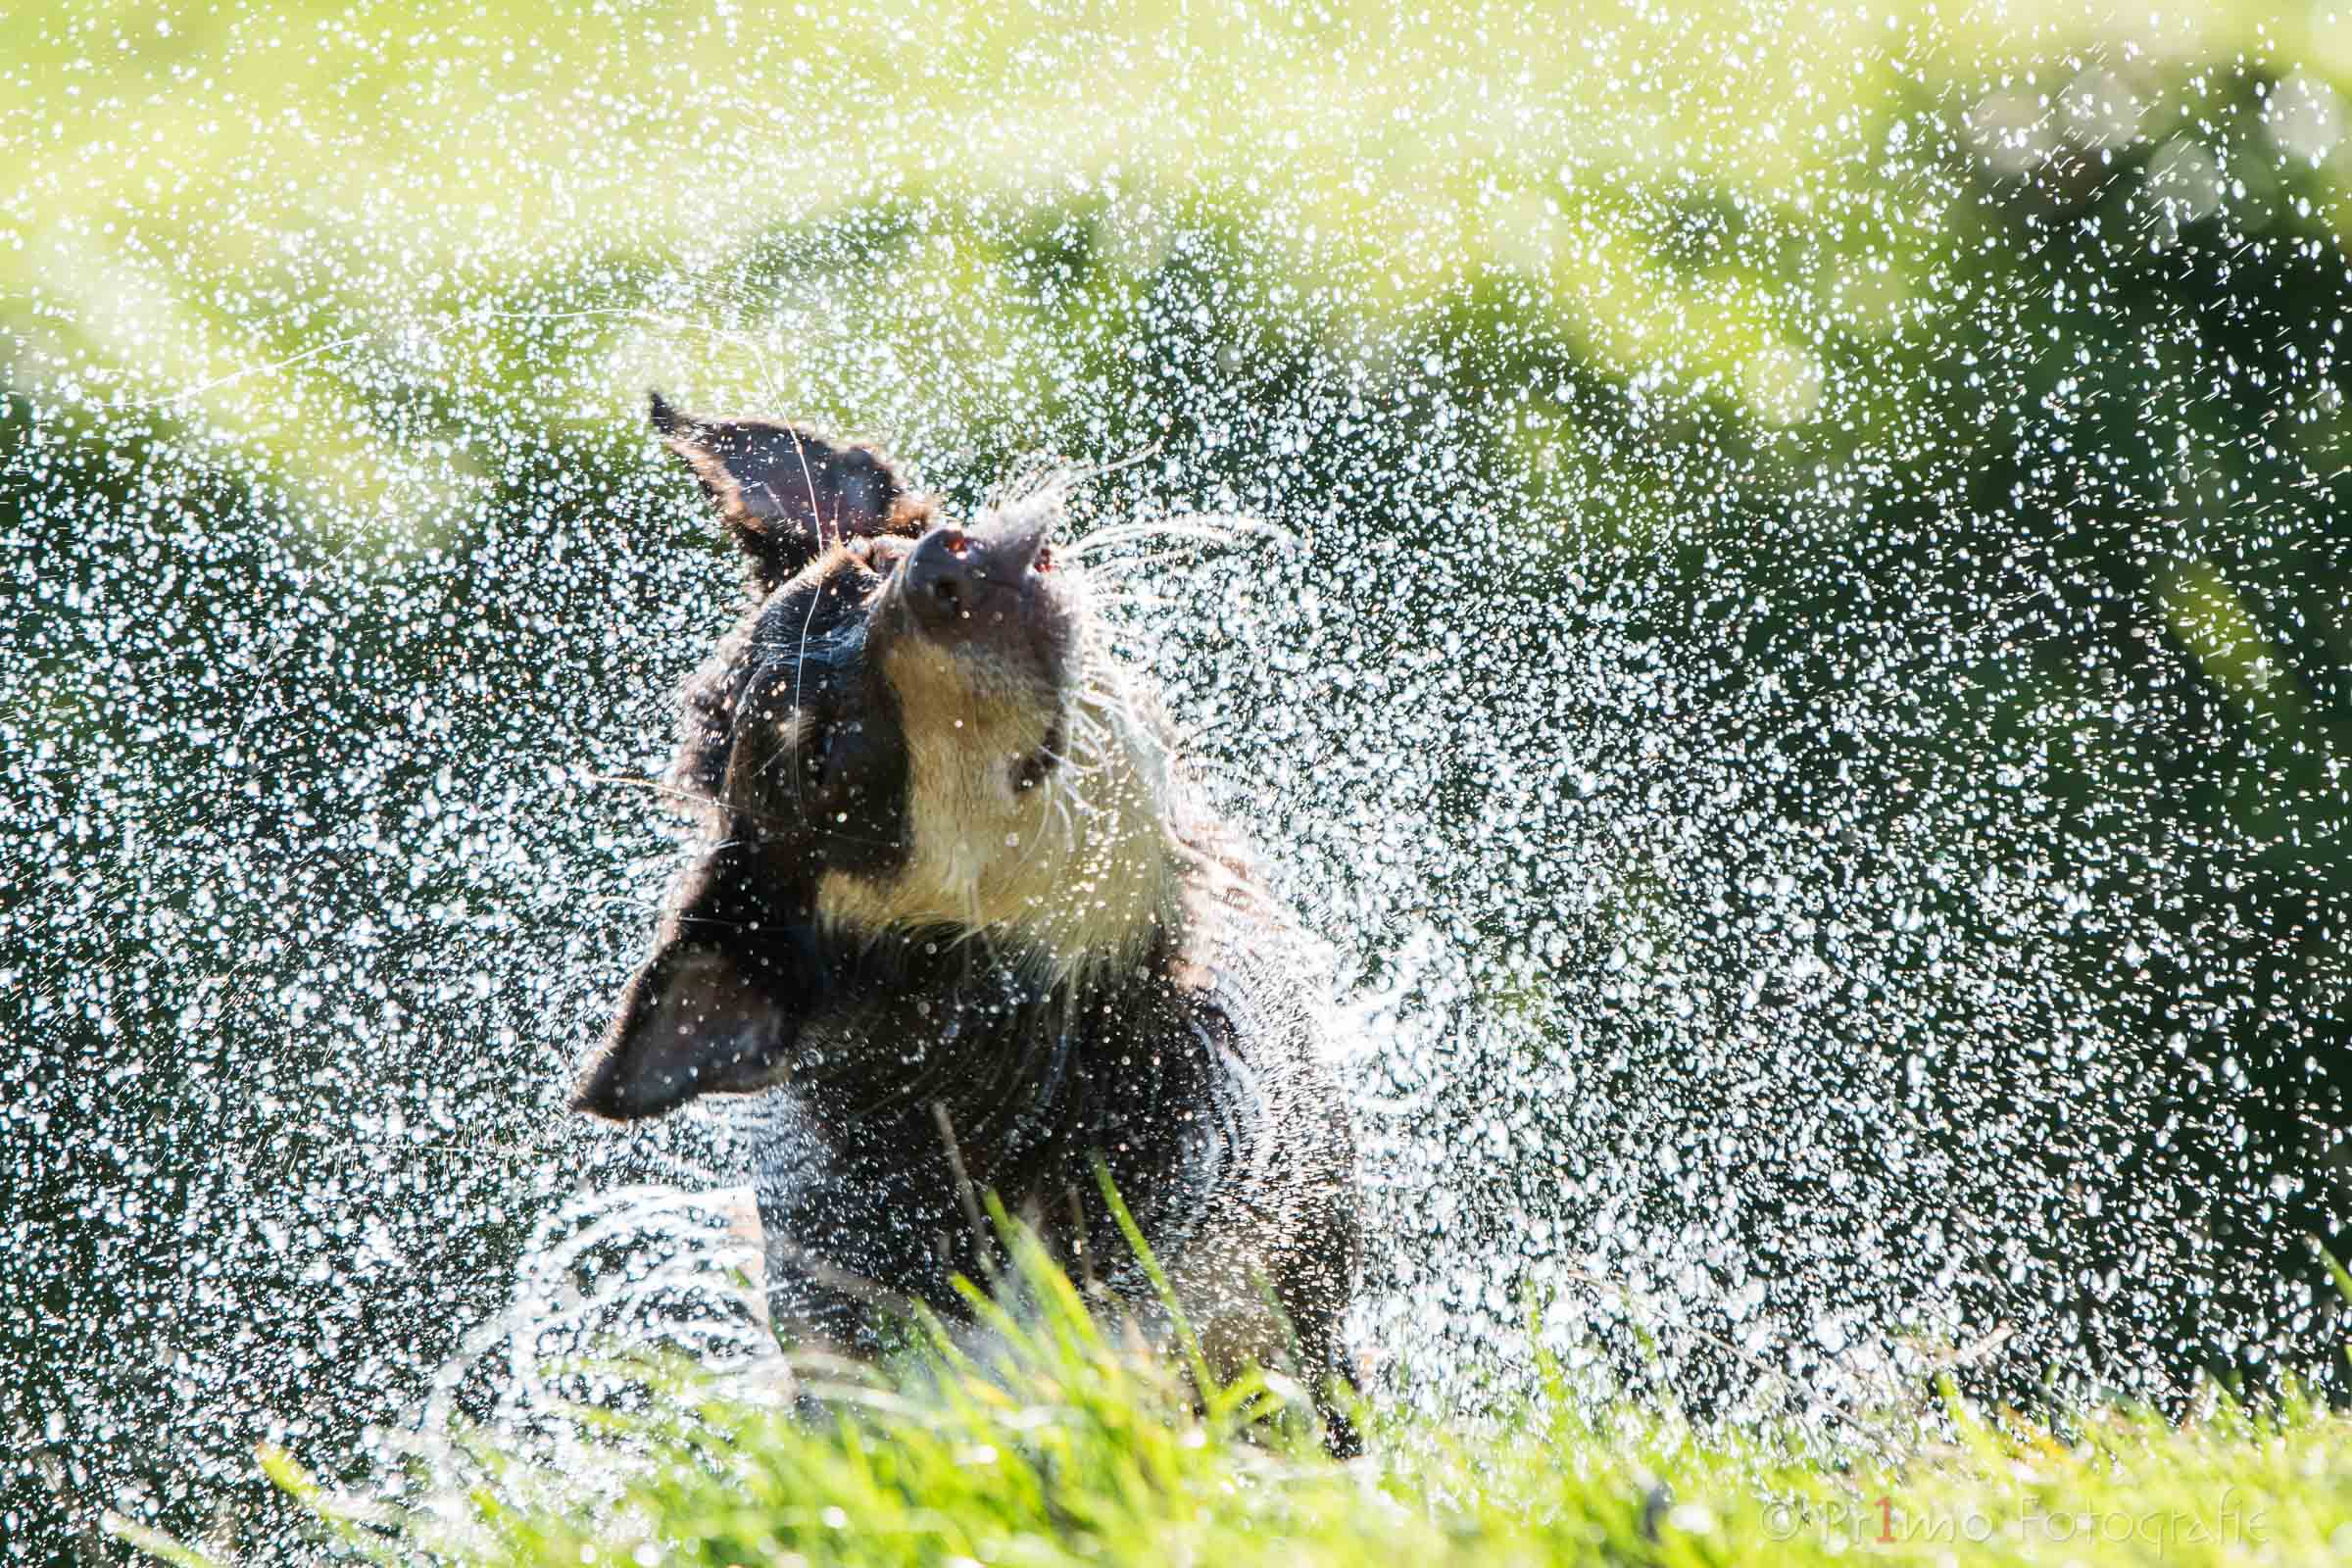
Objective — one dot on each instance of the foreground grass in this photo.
(1064, 1441)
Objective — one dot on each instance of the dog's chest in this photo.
(908, 1117)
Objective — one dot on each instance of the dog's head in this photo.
(913, 732)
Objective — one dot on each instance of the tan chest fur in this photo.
(1078, 863)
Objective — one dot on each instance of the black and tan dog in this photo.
(952, 896)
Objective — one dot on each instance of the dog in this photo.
(954, 901)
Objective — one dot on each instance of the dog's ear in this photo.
(718, 1006)
(784, 492)
(694, 1020)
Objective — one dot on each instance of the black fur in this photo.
(783, 491)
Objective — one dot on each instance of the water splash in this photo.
(1808, 687)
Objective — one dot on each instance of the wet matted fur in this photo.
(955, 907)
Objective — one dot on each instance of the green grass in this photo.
(1066, 1440)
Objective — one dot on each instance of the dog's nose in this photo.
(954, 575)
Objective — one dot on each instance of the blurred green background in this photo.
(1685, 198)
(1862, 487)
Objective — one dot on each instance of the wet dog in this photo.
(953, 902)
